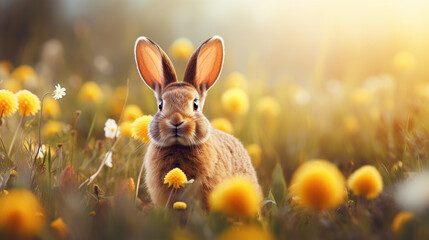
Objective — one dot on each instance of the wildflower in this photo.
(223, 124)
(140, 128)
(400, 220)
(116, 101)
(111, 129)
(268, 107)
(12, 85)
(132, 112)
(60, 227)
(90, 92)
(361, 96)
(255, 152)
(18, 214)
(237, 196)
(28, 103)
(51, 108)
(318, 184)
(179, 205)
(404, 61)
(248, 232)
(181, 48)
(108, 159)
(8, 103)
(59, 92)
(42, 151)
(13, 173)
(175, 178)
(366, 181)
(236, 80)
(51, 128)
(413, 194)
(126, 128)
(235, 101)
(24, 73)
(351, 124)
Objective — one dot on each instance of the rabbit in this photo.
(180, 135)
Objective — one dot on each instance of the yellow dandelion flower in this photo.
(140, 128)
(237, 196)
(51, 108)
(351, 124)
(18, 213)
(222, 124)
(182, 49)
(13, 173)
(51, 128)
(366, 181)
(60, 227)
(8, 103)
(179, 205)
(126, 129)
(24, 73)
(404, 61)
(268, 107)
(318, 185)
(132, 112)
(255, 153)
(176, 178)
(400, 220)
(12, 85)
(28, 103)
(236, 80)
(248, 232)
(90, 92)
(235, 101)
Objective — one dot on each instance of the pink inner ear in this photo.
(150, 63)
(209, 64)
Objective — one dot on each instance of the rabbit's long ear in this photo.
(205, 64)
(154, 66)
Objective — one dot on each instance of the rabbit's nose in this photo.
(176, 124)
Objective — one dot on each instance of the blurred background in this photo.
(346, 77)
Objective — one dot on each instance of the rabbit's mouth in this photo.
(177, 140)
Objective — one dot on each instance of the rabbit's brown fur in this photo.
(181, 136)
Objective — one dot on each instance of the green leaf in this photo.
(278, 186)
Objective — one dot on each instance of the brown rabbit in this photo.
(181, 136)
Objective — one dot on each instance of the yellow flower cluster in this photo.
(132, 112)
(237, 196)
(140, 128)
(51, 108)
(318, 185)
(179, 205)
(8, 103)
(181, 49)
(255, 153)
(52, 128)
(126, 129)
(24, 73)
(236, 80)
(90, 92)
(235, 101)
(268, 107)
(366, 181)
(176, 178)
(29, 104)
(21, 214)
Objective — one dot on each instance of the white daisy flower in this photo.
(108, 159)
(42, 151)
(111, 129)
(413, 194)
(59, 92)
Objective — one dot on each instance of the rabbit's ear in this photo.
(205, 64)
(154, 66)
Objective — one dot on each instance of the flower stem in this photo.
(14, 136)
(173, 190)
(138, 182)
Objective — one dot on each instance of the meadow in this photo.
(341, 160)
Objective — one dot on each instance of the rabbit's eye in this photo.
(195, 104)
(160, 105)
